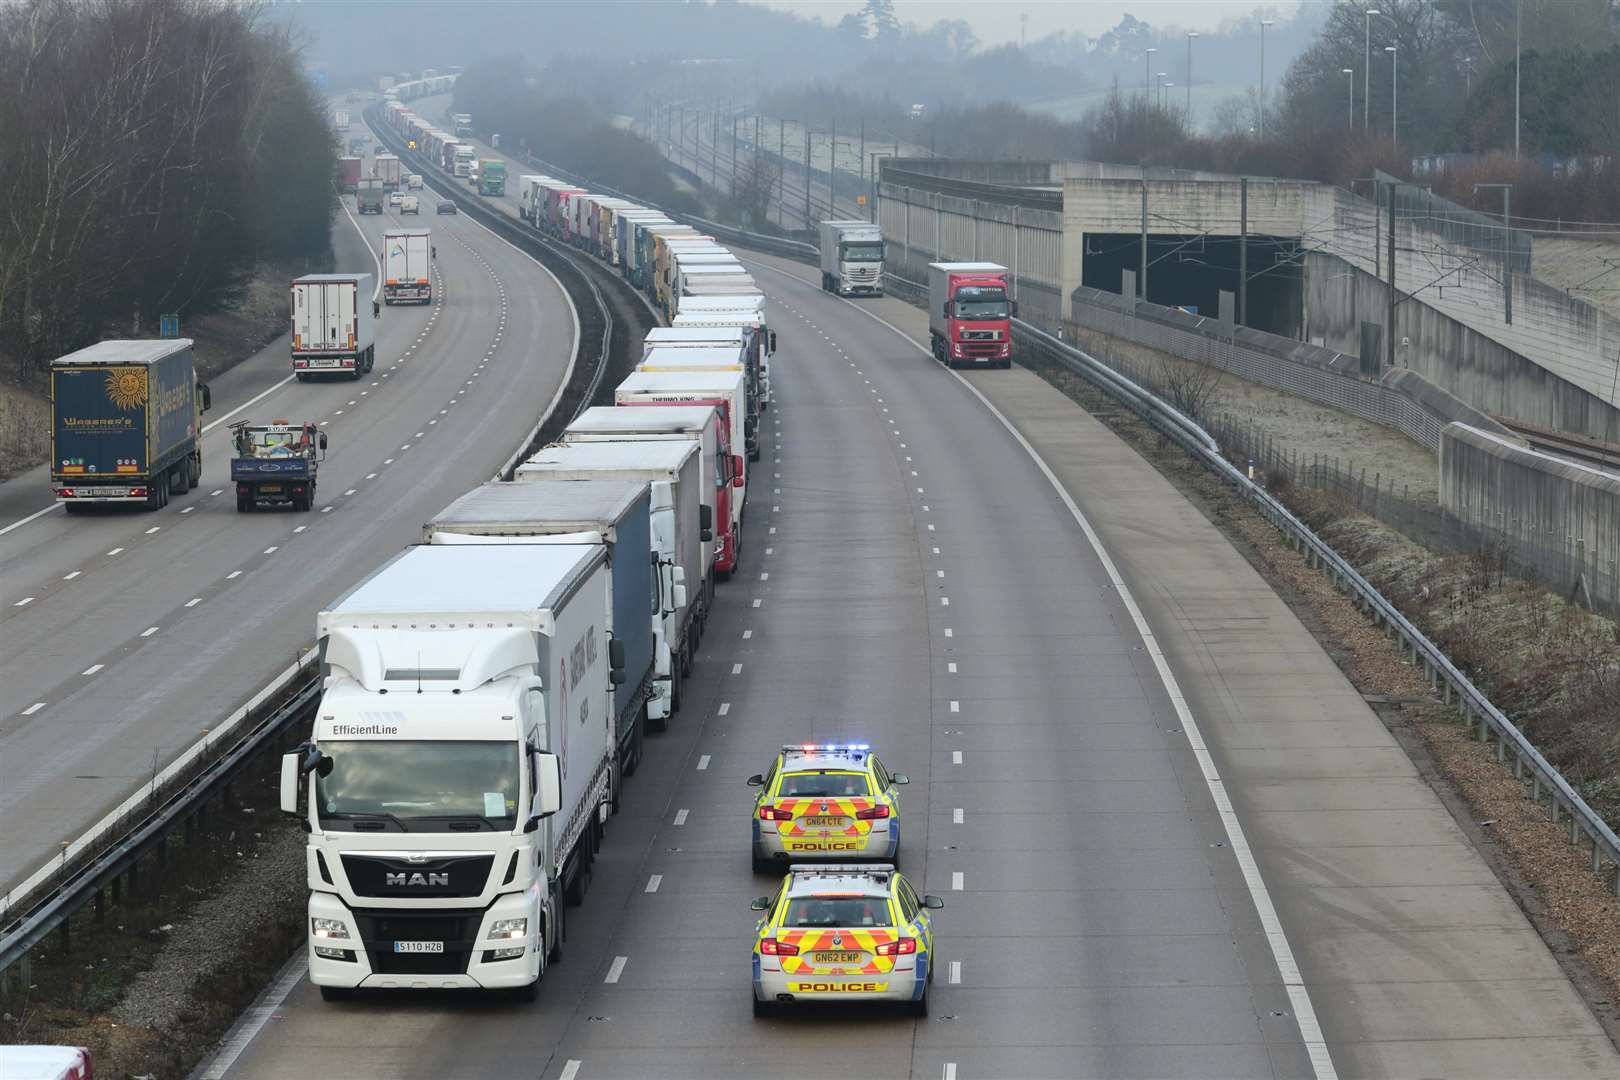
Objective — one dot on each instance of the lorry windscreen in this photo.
(863, 252)
(981, 302)
(410, 782)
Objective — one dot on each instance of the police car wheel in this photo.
(918, 1007)
(764, 1008)
(763, 865)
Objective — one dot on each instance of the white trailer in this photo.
(407, 259)
(334, 328)
(851, 258)
(682, 522)
(719, 278)
(459, 769)
(530, 192)
(730, 357)
(385, 167)
(733, 310)
(642, 387)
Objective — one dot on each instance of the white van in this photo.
(408, 204)
(414, 181)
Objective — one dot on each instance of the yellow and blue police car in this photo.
(825, 801)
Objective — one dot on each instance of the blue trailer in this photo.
(615, 513)
(126, 423)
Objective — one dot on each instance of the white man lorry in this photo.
(458, 772)
(851, 258)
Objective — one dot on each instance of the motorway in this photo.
(125, 635)
(921, 580)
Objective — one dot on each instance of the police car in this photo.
(844, 932)
(825, 800)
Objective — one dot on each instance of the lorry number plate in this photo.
(419, 946)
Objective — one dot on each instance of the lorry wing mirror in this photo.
(207, 396)
(616, 660)
(376, 309)
(738, 477)
(773, 341)
(315, 761)
(1014, 308)
(947, 309)
(323, 440)
(677, 577)
(705, 517)
(290, 768)
(547, 790)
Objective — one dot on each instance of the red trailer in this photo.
(349, 174)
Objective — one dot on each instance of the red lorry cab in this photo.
(725, 535)
(970, 314)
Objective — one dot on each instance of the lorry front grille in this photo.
(980, 348)
(981, 335)
(457, 929)
(437, 879)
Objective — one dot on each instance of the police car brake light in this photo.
(903, 947)
(872, 812)
(771, 813)
(771, 947)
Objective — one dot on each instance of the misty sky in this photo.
(996, 21)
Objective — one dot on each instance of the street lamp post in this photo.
(1468, 76)
(1147, 70)
(1350, 97)
(1518, 24)
(1263, 24)
(1158, 90)
(1394, 97)
(1190, 35)
(1366, 70)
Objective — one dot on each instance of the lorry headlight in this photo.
(507, 954)
(956, 349)
(509, 928)
(327, 928)
(326, 952)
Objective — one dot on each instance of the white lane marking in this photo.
(736, 669)
(944, 601)
(956, 706)
(194, 601)
(349, 492)
(337, 412)
(949, 632)
(1310, 1028)
(252, 1022)
(34, 708)
(217, 491)
(271, 550)
(758, 602)
(956, 881)
(70, 577)
(234, 574)
(936, 551)
(115, 551)
(950, 1071)
(20, 522)
(654, 881)
(149, 631)
(956, 816)
(956, 757)
(956, 972)
(950, 667)
(747, 634)
(930, 528)
(371, 476)
(765, 576)
(92, 669)
(776, 509)
(153, 529)
(703, 762)
(680, 816)
(773, 530)
(188, 509)
(388, 461)
(725, 706)
(616, 969)
(926, 510)
(326, 509)
(300, 528)
(939, 573)
(24, 602)
(570, 1070)
(770, 551)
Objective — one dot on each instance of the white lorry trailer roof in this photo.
(678, 336)
(589, 460)
(619, 420)
(745, 302)
(707, 383)
(123, 351)
(698, 357)
(440, 587)
(970, 267)
(509, 506)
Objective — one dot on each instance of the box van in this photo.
(408, 205)
(414, 181)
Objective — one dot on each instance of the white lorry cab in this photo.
(459, 769)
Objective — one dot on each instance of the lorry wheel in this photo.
(195, 468)
(75, 508)
(244, 504)
(556, 952)
(677, 693)
(526, 994)
(658, 723)
(302, 376)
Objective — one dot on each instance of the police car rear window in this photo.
(834, 911)
(825, 785)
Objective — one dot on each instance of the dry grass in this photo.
(25, 429)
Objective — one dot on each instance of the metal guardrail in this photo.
(1447, 680)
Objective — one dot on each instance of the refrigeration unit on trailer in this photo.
(705, 423)
(682, 521)
(408, 266)
(615, 513)
(334, 329)
(459, 769)
(669, 387)
(744, 311)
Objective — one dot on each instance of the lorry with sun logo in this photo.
(126, 423)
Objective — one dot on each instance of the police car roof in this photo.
(866, 879)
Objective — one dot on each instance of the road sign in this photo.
(860, 200)
(169, 325)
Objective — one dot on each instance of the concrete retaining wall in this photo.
(1563, 518)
